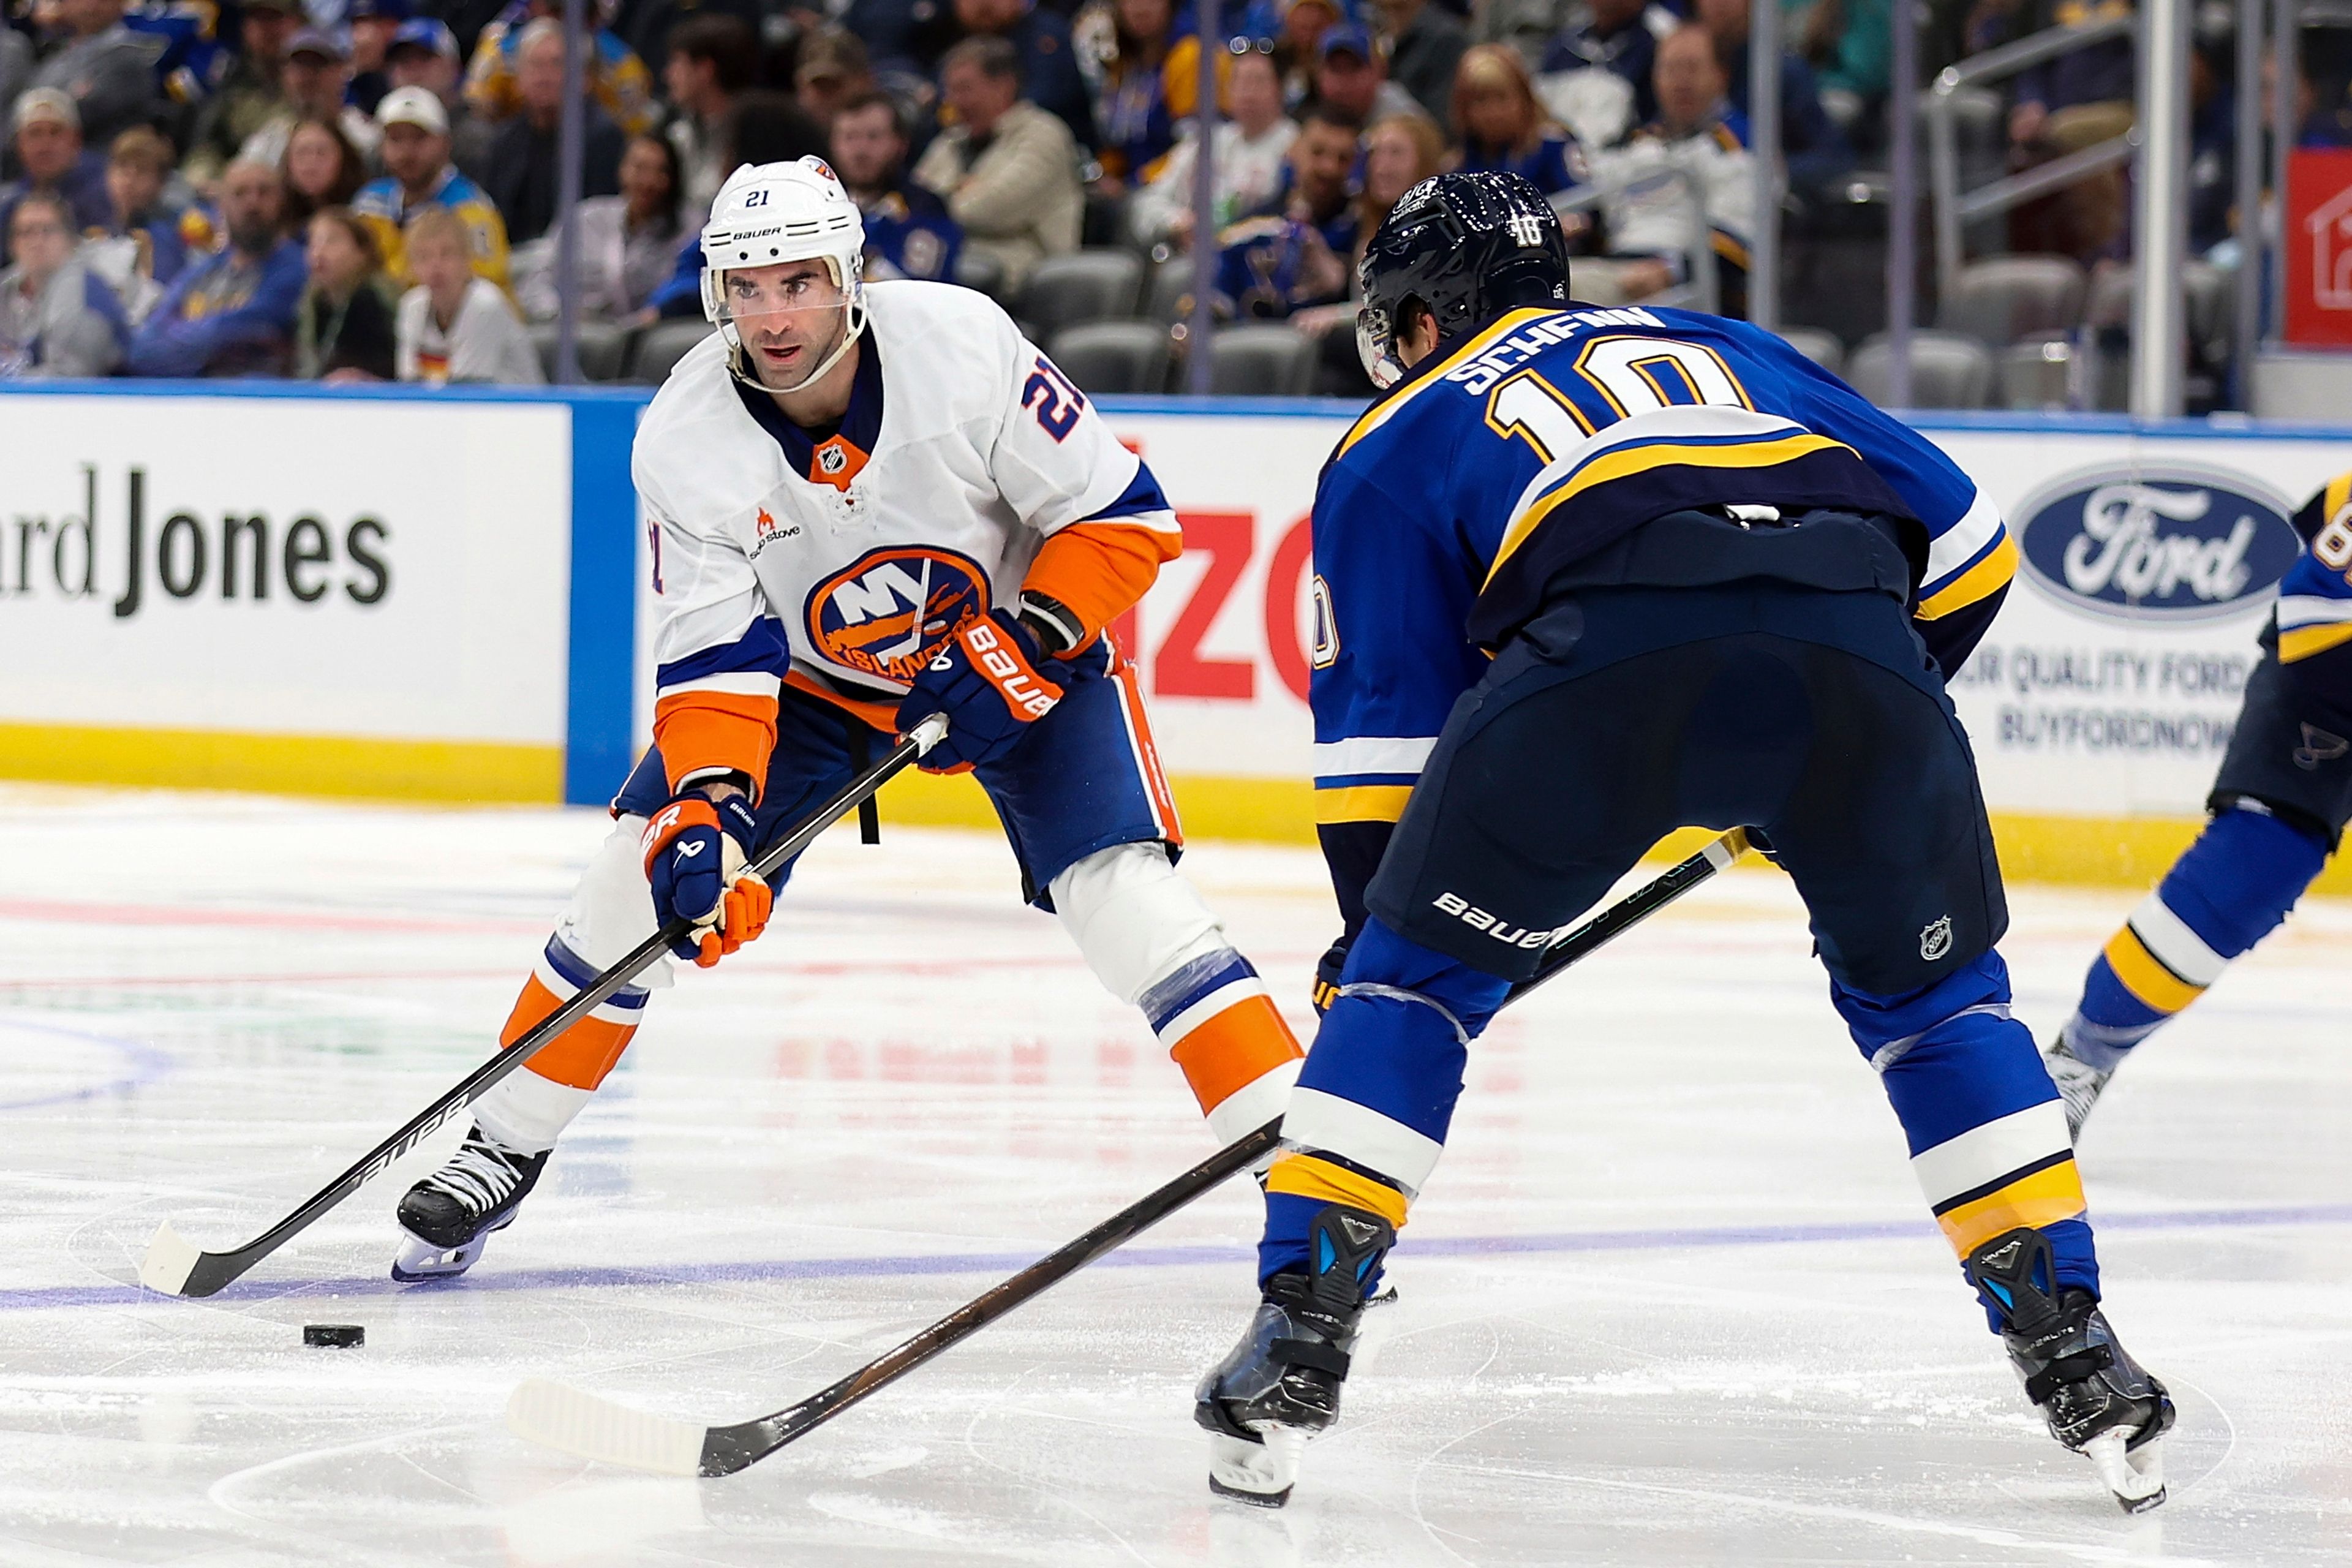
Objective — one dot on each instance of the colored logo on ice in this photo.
(891, 609)
(2157, 545)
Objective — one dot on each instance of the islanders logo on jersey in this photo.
(890, 609)
(2147, 544)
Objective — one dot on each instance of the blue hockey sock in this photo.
(2226, 892)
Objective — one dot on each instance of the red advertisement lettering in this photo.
(1224, 537)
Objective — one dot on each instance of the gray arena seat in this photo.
(1820, 347)
(1261, 359)
(978, 269)
(1947, 371)
(1114, 356)
(662, 345)
(603, 346)
(2008, 298)
(1084, 286)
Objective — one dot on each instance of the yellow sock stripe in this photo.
(1305, 1176)
(2304, 641)
(1362, 803)
(2042, 1198)
(2147, 978)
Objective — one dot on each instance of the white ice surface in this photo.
(1671, 1297)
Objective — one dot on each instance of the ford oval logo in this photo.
(2170, 543)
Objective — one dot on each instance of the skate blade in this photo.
(2135, 1476)
(169, 1262)
(421, 1260)
(1260, 1474)
(555, 1416)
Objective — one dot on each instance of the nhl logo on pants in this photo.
(1936, 938)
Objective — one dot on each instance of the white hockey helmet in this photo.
(769, 213)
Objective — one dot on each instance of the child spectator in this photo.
(344, 331)
(1148, 84)
(627, 243)
(522, 177)
(56, 317)
(140, 250)
(454, 325)
(1502, 128)
(708, 67)
(908, 233)
(1654, 221)
(107, 70)
(252, 95)
(233, 312)
(321, 169)
(417, 176)
(1251, 150)
(617, 78)
(1007, 169)
(1425, 43)
(49, 151)
(424, 52)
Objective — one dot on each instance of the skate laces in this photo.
(478, 1176)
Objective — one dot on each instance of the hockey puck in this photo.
(335, 1336)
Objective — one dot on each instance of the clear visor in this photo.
(1376, 346)
(805, 312)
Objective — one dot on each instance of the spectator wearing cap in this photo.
(107, 70)
(1007, 169)
(908, 233)
(49, 151)
(56, 317)
(617, 78)
(1425, 50)
(1596, 75)
(424, 52)
(1250, 146)
(343, 330)
(1502, 129)
(373, 24)
(1812, 149)
(628, 243)
(233, 312)
(1044, 59)
(1295, 28)
(831, 68)
(1351, 77)
(323, 169)
(709, 66)
(523, 174)
(317, 79)
(140, 250)
(418, 174)
(454, 325)
(251, 96)
(1656, 220)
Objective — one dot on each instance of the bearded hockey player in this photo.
(871, 504)
(1718, 589)
(2278, 807)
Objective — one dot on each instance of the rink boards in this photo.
(439, 595)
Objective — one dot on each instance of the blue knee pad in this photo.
(1400, 1054)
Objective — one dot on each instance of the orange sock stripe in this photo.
(582, 1055)
(1234, 1048)
(1147, 754)
(1305, 1176)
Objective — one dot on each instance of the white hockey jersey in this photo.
(840, 562)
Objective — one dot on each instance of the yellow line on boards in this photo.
(340, 765)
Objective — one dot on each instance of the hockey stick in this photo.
(559, 1417)
(176, 1267)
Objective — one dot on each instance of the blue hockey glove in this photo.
(985, 681)
(696, 849)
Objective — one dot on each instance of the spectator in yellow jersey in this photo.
(418, 174)
(453, 326)
(617, 78)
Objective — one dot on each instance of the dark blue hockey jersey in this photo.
(1548, 437)
(2314, 602)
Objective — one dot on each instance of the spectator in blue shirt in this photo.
(1812, 149)
(232, 313)
(49, 151)
(908, 233)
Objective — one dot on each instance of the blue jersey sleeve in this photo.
(2314, 602)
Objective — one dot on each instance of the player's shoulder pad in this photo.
(685, 443)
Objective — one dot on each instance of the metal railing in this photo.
(1955, 209)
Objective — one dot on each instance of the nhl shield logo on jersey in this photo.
(890, 609)
(835, 462)
(1936, 938)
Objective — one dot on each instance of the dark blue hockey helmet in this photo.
(1466, 247)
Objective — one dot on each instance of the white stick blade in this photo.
(169, 1262)
(555, 1416)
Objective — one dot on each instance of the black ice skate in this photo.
(449, 1215)
(2098, 1401)
(1280, 1385)
(2079, 1083)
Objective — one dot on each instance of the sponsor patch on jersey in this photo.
(2157, 543)
(889, 611)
